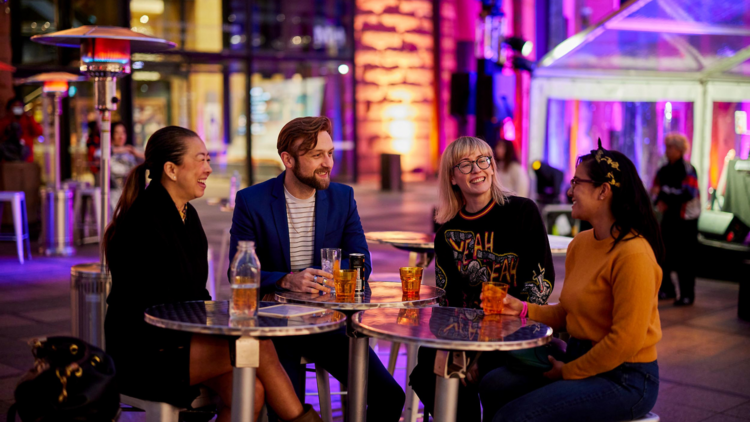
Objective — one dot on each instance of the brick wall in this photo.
(394, 77)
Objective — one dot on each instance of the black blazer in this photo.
(154, 258)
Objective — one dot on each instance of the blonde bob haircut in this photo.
(451, 199)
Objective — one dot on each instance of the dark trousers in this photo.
(385, 398)
(681, 244)
(625, 393)
(422, 381)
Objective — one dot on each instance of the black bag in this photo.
(71, 381)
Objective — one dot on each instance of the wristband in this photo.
(525, 310)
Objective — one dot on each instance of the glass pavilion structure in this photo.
(653, 67)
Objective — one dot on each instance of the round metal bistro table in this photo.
(379, 294)
(558, 245)
(453, 331)
(421, 246)
(209, 317)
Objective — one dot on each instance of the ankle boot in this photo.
(308, 415)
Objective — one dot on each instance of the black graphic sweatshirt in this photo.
(506, 243)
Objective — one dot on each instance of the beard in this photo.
(311, 180)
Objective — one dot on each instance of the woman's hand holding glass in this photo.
(512, 306)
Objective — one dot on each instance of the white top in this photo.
(300, 214)
(514, 178)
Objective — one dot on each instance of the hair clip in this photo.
(614, 165)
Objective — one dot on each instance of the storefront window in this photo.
(282, 91)
(194, 25)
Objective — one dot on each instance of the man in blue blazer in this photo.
(290, 219)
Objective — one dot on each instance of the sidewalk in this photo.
(704, 356)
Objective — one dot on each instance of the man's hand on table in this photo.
(309, 280)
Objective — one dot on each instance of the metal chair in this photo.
(165, 412)
(324, 390)
(20, 222)
(80, 211)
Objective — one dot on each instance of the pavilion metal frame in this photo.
(704, 87)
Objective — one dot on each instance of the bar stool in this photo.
(80, 212)
(165, 412)
(20, 222)
(324, 390)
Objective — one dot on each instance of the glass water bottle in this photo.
(245, 281)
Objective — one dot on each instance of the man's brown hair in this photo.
(306, 128)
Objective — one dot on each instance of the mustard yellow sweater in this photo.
(610, 298)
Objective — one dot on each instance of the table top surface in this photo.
(422, 242)
(382, 294)
(452, 328)
(419, 242)
(212, 317)
(559, 244)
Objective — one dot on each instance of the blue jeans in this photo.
(625, 393)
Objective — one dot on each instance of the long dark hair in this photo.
(510, 153)
(631, 204)
(165, 145)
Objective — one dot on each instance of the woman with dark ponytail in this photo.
(608, 305)
(157, 253)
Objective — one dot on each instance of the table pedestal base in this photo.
(449, 368)
(359, 353)
(247, 358)
(446, 403)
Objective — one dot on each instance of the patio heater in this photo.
(57, 200)
(105, 54)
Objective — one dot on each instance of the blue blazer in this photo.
(260, 215)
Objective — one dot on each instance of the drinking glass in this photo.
(493, 294)
(330, 261)
(411, 280)
(345, 282)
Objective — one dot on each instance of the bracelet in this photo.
(525, 310)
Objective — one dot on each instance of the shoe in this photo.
(308, 415)
(664, 296)
(684, 301)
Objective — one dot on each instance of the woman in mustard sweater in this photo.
(608, 305)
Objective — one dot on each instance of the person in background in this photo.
(678, 199)
(24, 128)
(509, 169)
(124, 158)
(290, 219)
(12, 148)
(609, 305)
(487, 234)
(93, 143)
(156, 249)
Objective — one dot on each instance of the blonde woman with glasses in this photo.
(487, 234)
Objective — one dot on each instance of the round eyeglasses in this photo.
(465, 167)
(577, 181)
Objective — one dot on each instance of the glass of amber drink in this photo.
(330, 262)
(411, 280)
(493, 295)
(345, 281)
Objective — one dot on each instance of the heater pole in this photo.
(57, 112)
(105, 100)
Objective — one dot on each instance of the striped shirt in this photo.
(300, 214)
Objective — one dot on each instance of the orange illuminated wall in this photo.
(394, 75)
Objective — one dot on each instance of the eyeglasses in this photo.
(577, 181)
(465, 167)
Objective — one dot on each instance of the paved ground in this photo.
(704, 356)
